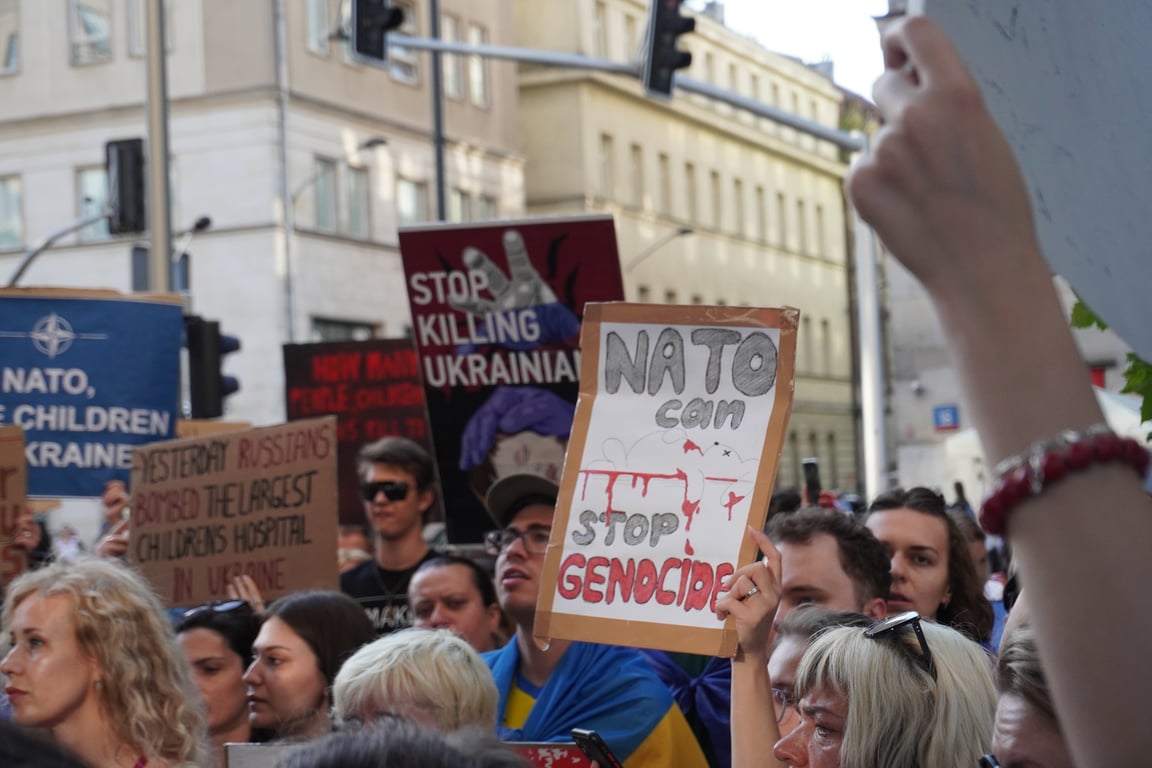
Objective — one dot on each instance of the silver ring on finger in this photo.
(754, 591)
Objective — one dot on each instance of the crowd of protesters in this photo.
(865, 640)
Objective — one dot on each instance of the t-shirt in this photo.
(382, 593)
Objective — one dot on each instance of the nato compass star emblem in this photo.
(52, 335)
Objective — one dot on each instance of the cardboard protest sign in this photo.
(88, 375)
(678, 434)
(202, 427)
(13, 559)
(496, 311)
(373, 388)
(260, 502)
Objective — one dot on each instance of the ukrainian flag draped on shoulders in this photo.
(607, 689)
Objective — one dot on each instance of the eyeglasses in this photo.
(893, 624)
(393, 490)
(989, 761)
(535, 539)
(225, 606)
(783, 701)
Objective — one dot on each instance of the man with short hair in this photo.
(398, 483)
(545, 693)
(832, 560)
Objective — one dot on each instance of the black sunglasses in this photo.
(989, 761)
(890, 626)
(220, 606)
(393, 490)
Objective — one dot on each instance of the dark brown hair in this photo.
(333, 624)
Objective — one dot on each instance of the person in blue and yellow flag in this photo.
(544, 694)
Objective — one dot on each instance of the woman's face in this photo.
(918, 546)
(51, 679)
(219, 674)
(287, 692)
(446, 598)
(818, 737)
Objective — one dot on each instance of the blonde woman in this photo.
(94, 661)
(429, 676)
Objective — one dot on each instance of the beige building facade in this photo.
(712, 205)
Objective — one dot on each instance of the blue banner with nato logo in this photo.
(87, 377)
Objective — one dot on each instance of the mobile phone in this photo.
(592, 745)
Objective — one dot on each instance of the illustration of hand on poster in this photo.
(677, 438)
(496, 311)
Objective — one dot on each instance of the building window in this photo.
(665, 184)
(411, 201)
(9, 37)
(697, 298)
(636, 171)
(717, 199)
(359, 202)
(319, 26)
(761, 215)
(781, 221)
(802, 226)
(738, 206)
(754, 86)
(11, 213)
(794, 452)
(821, 241)
(404, 63)
(459, 206)
(138, 27)
(487, 208)
(600, 31)
(825, 347)
(324, 188)
(690, 192)
(326, 329)
(670, 297)
(92, 196)
(804, 354)
(90, 28)
(450, 62)
(833, 477)
(631, 38)
(607, 167)
(477, 68)
(709, 69)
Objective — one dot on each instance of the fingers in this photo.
(244, 588)
(519, 266)
(477, 260)
(917, 46)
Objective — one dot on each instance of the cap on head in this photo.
(505, 496)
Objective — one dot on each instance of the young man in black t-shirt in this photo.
(398, 484)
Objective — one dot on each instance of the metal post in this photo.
(287, 199)
(159, 209)
(438, 113)
(873, 432)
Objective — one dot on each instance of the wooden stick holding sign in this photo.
(677, 437)
(261, 503)
(13, 498)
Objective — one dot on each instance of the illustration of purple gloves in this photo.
(510, 410)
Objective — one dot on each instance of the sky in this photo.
(812, 30)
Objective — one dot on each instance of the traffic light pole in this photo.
(159, 209)
(841, 139)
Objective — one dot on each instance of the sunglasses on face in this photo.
(392, 490)
(893, 625)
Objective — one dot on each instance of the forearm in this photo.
(754, 728)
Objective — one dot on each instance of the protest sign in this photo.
(260, 503)
(677, 438)
(202, 427)
(13, 559)
(373, 388)
(88, 375)
(496, 312)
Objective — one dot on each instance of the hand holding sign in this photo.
(115, 542)
(523, 289)
(753, 596)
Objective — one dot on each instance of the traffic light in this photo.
(207, 384)
(665, 25)
(124, 165)
(372, 20)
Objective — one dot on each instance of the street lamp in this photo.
(644, 254)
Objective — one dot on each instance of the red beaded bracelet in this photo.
(1048, 461)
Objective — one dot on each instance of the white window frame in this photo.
(419, 192)
(358, 187)
(326, 215)
(10, 38)
(479, 82)
(459, 205)
(138, 28)
(89, 202)
(12, 209)
(452, 66)
(317, 27)
(80, 40)
(404, 63)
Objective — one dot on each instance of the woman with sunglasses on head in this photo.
(93, 661)
(217, 641)
(932, 568)
(304, 638)
(397, 482)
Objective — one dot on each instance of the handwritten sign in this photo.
(496, 312)
(13, 559)
(558, 754)
(678, 434)
(260, 502)
(373, 387)
(70, 375)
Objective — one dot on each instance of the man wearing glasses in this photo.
(397, 481)
(544, 694)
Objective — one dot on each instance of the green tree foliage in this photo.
(1138, 374)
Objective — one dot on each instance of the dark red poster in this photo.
(372, 387)
(496, 312)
